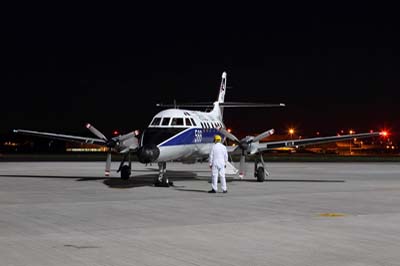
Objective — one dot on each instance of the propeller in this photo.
(247, 145)
(121, 143)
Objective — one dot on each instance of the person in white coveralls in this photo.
(217, 160)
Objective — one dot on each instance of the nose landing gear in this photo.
(161, 180)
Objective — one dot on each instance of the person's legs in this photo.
(214, 172)
(222, 178)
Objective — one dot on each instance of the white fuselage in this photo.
(182, 134)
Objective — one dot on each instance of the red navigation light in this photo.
(384, 133)
(115, 132)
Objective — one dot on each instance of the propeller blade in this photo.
(130, 135)
(108, 164)
(242, 165)
(228, 134)
(263, 135)
(95, 132)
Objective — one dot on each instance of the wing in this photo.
(61, 136)
(230, 149)
(309, 141)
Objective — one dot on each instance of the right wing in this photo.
(310, 141)
(61, 137)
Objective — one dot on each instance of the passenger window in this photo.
(156, 121)
(187, 121)
(193, 123)
(177, 121)
(165, 121)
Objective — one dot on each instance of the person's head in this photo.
(217, 138)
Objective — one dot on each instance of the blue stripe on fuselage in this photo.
(192, 136)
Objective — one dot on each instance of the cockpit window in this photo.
(187, 121)
(193, 123)
(165, 121)
(177, 121)
(156, 121)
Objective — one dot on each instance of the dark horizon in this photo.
(333, 73)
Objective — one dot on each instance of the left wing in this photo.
(62, 137)
(309, 141)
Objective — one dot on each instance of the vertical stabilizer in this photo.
(218, 110)
(222, 89)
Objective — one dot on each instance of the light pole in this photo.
(351, 140)
(291, 132)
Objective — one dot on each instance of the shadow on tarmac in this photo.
(116, 182)
(147, 180)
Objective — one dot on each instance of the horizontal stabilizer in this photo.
(225, 104)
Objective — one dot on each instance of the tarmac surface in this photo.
(67, 213)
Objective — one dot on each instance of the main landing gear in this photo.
(125, 169)
(260, 172)
(161, 180)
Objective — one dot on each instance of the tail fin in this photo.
(217, 109)
(222, 89)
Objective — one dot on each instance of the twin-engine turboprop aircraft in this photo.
(187, 135)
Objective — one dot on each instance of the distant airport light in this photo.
(384, 133)
(351, 131)
(371, 131)
(115, 132)
(291, 132)
(229, 130)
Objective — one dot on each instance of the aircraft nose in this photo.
(148, 153)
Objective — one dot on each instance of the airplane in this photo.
(177, 134)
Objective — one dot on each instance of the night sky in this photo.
(333, 70)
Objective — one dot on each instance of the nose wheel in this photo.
(161, 180)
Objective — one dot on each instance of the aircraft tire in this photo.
(260, 174)
(125, 172)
